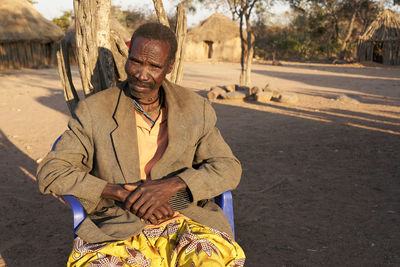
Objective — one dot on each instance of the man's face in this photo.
(147, 65)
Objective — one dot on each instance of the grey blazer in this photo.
(100, 147)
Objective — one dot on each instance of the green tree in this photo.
(64, 20)
(332, 26)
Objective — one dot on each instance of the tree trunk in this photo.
(349, 32)
(176, 74)
(64, 70)
(181, 29)
(96, 65)
(242, 44)
(231, 4)
(104, 43)
(250, 51)
(161, 15)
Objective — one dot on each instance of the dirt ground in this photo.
(320, 184)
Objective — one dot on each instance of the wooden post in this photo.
(176, 74)
(250, 51)
(96, 66)
(161, 15)
(104, 44)
(181, 29)
(120, 53)
(64, 70)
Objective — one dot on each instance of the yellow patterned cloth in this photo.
(178, 242)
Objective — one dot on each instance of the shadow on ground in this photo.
(33, 226)
(345, 69)
(314, 193)
(359, 86)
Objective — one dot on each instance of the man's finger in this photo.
(164, 211)
(159, 214)
(153, 219)
(142, 209)
(168, 207)
(137, 205)
(131, 199)
(131, 187)
(149, 213)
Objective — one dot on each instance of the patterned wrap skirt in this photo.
(176, 242)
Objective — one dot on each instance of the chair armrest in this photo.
(224, 201)
(55, 143)
(77, 210)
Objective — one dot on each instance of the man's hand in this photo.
(149, 200)
(163, 212)
(118, 192)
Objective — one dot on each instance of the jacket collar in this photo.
(177, 130)
(124, 136)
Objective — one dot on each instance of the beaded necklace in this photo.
(151, 103)
(147, 114)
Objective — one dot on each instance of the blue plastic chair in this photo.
(224, 201)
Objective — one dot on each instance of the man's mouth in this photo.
(135, 83)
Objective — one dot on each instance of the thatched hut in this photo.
(381, 41)
(217, 37)
(27, 39)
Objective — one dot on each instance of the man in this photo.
(144, 158)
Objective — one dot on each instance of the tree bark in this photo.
(161, 15)
(104, 43)
(64, 70)
(181, 29)
(242, 44)
(96, 65)
(176, 74)
(250, 51)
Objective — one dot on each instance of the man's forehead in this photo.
(145, 45)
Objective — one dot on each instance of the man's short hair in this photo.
(157, 31)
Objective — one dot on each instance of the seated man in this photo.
(144, 158)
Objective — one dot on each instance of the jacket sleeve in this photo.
(215, 169)
(66, 169)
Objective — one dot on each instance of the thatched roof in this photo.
(386, 27)
(215, 28)
(21, 22)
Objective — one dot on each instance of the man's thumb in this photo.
(131, 187)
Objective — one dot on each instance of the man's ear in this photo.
(171, 66)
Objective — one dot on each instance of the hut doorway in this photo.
(209, 47)
(377, 55)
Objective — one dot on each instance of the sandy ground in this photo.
(320, 185)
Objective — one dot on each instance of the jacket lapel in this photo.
(177, 132)
(124, 138)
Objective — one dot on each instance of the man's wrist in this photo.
(178, 183)
(115, 192)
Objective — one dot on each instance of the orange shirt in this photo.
(152, 141)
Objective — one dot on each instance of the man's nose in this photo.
(142, 74)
